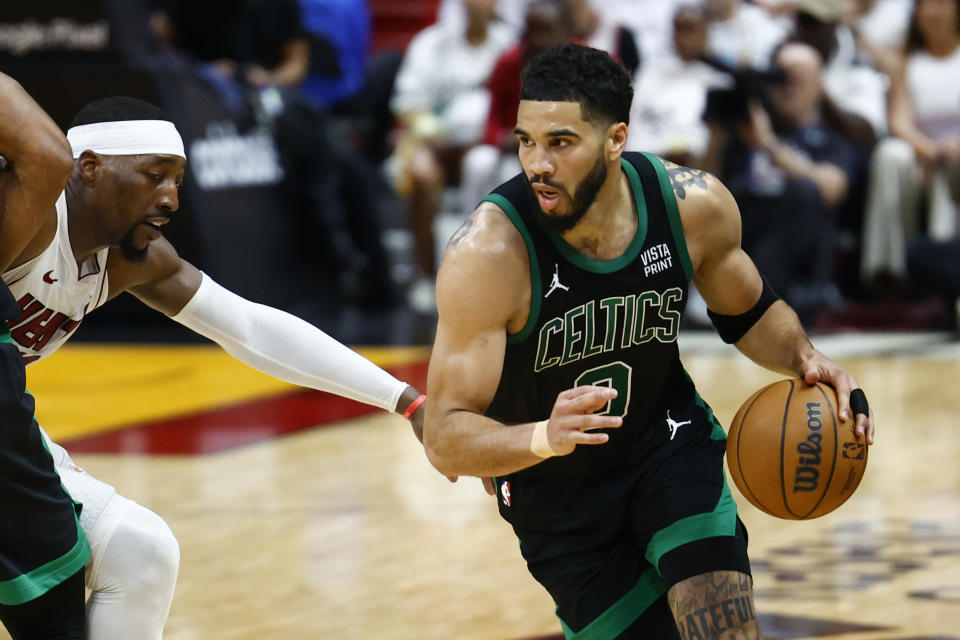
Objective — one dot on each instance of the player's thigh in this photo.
(718, 604)
(576, 540)
(655, 622)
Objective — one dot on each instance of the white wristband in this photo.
(540, 441)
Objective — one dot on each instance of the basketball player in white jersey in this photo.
(103, 237)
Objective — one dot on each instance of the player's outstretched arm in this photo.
(483, 291)
(269, 340)
(732, 287)
(38, 163)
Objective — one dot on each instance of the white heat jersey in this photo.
(54, 294)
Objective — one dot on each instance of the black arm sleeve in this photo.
(732, 328)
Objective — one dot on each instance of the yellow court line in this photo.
(87, 389)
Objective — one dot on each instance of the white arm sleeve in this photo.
(286, 347)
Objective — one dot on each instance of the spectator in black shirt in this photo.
(256, 54)
(791, 174)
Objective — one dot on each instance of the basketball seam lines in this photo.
(836, 446)
(783, 438)
(739, 463)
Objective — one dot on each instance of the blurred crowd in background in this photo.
(834, 123)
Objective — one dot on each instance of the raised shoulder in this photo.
(722, 272)
(485, 272)
(686, 179)
(486, 230)
(710, 216)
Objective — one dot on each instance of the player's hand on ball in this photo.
(822, 369)
(573, 416)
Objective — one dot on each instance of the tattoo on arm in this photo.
(717, 605)
(462, 232)
(684, 177)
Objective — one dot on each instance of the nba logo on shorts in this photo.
(853, 450)
(505, 492)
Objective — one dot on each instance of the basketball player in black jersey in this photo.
(42, 547)
(555, 368)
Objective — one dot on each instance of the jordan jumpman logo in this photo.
(555, 283)
(674, 425)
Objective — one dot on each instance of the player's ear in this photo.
(89, 164)
(616, 140)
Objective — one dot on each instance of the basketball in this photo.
(790, 454)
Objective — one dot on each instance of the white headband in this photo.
(127, 138)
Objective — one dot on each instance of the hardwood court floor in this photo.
(346, 532)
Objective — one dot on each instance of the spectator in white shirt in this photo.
(442, 103)
(741, 34)
(923, 156)
(670, 95)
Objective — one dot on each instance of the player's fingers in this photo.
(810, 373)
(488, 486)
(579, 437)
(860, 409)
(590, 401)
(869, 426)
(577, 392)
(590, 422)
(842, 385)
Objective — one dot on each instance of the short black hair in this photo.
(575, 73)
(118, 109)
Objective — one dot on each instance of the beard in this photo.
(130, 251)
(583, 197)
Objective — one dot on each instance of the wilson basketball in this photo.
(789, 453)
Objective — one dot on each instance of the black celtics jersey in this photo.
(609, 323)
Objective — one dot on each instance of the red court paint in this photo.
(236, 425)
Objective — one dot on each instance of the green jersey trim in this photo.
(34, 584)
(722, 521)
(718, 433)
(673, 213)
(624, 612)
(633, 250)
(535, 286)
(5, 333)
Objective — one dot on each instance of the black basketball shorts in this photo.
(607, 547)
(41, 543)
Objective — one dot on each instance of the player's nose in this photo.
(540, 163)
(169, 199)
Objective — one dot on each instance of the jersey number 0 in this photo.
(615, 374)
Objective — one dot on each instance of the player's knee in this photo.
(143, 554)
(159, 553)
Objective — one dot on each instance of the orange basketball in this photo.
(789, 453)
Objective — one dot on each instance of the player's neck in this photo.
(81, 224)
(609, 225)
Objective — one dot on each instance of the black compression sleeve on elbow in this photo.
(732, 328)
